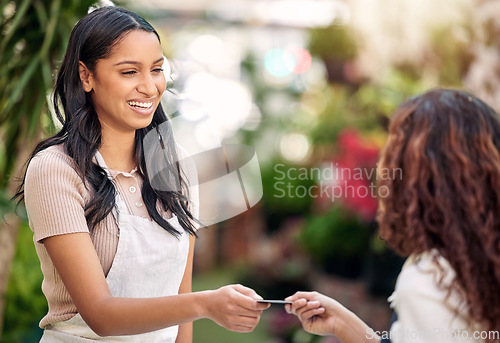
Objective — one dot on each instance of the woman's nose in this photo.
(147, 86)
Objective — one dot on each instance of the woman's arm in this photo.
(325, 316)
(185, 334)
(74, 256)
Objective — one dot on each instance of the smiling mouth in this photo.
(137, 104)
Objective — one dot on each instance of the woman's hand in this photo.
(234, 307)
(324, 316)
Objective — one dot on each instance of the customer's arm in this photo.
(325, 316)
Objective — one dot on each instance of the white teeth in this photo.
(140, 104)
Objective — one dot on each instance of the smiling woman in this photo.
(116, 254)
(127, 86)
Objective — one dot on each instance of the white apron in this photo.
(149, 262)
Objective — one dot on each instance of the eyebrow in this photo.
(135, 62)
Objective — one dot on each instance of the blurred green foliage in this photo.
(277, 177)
(367, 107)
(6, 205)
(337, 233)
(280, 201)
(452, 54)
(334, 41)
(338, 241)
(34, 38)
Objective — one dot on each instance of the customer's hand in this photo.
(324, 316)
(317, 313)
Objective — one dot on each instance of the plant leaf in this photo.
(21, 84)
(21, 11)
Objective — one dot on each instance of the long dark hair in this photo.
(447, 144)
(92, 39)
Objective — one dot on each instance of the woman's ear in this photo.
(85, 77)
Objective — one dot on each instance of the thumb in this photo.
(247, 291)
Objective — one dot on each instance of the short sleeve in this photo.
(54, 196)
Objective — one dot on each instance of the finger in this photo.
(311, 305)
(307, 295)
(308, 306)
(292, 297)
(248, 321)
(244, 301)
(263, 306)
(251, 304)
(307, 315)
(301, 295)
(297, 304)
(288, 307)
(247, 291)
(242, 311)
(241, 328)
(243, 323)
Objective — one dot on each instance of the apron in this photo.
(149, 262)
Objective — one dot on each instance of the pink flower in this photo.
(355, 174)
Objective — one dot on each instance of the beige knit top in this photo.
(55, 198)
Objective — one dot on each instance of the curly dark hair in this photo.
(446, 143)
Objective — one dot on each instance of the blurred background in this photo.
(310, 84)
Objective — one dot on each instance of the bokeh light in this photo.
(303, 60)
(279, 62)
(226, 101)
(294, 147)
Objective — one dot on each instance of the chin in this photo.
(144, 123)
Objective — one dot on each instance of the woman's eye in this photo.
(128, 72)
(158, 70)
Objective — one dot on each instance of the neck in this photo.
(118, 150)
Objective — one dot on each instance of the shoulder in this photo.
(50, 167)
(54, 194)
(425, 271)
(51, 159)
(424, 281)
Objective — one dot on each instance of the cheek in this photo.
(161, 84)
(113, 88)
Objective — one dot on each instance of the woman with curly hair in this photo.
(444, 213)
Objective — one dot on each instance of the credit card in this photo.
(275, 301)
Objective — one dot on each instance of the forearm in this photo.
(185, 334)
(352, 329)
(127, 316)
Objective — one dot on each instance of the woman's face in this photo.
(128, 85)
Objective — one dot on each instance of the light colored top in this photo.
(424, 316)
(149, 263)
(55, 198)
